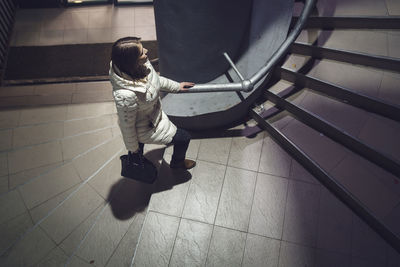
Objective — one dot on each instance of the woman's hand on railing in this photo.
(183, 86)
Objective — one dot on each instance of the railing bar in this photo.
(330, 130)
(330, 183)
(353, 57)
(233, 66)
(367, 103)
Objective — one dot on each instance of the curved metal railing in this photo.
(247, 85)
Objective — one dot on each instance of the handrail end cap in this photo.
(247, 85)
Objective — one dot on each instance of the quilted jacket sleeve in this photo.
(168, 85)
(127, 108)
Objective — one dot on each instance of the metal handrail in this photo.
(247, 85)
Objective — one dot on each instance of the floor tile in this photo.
(268, 208)
(55, 258)
(76, 20)
(394, 50)
(13, 229)
(54, 89)
(27, 38)
(326, 258)
(245, 152)
(71, 213)
(24, 176)
(3, 164)
(24, 136)
(393, 258)
(315, 145)
(352, 8)
(51, 37)
(298, 172)
(88, 163)
(144, 16)
(345, 117)
(124, 253)
(274, 160)
(192, 151)
(236, 199)
(373, 194)
(380, 136)
(215, 150)
(79, 111)
(43, 100)
(366, 244)
(191, 244)
(226, 248)
(75, 36)
(104, 236)
(358, 262)
(157, 240)
(11, 205)
(393, 7)
(69, 244)
(3, 184)
(147, 33)
(33, 247)
(9, 118)
(204, 192)
(6, 139)
(73, 127)
(99, 35)
(42, 115)
(366, 41)
(35, 156)
(123, 17)
(40, 211)
(104, 180)
(49, 185)
(78, 262)
(76, 145)
(388, 89)
(171, 189)
(91, 97)
(121, 32)
(301, 213)
(334, 224)
(261, 251)
(17, 90)
(99, 19)
(293, 255)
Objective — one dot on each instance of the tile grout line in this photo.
(60, 204)
(284, 217)
(219, 199)
(59, 164)
(93, 225)
(180, 220)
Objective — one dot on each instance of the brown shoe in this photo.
(185, 164)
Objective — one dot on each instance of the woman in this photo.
(136, 89)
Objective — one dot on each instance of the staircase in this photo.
(332, 105)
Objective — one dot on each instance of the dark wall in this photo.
(193, 34)
(7, 17)
(39, 3)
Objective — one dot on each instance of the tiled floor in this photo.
(246, 203)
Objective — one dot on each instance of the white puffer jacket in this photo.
(141, 118)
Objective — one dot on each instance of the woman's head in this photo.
(129, 55)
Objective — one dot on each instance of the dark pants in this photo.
(180, 141)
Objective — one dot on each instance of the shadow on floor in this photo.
(127, 196)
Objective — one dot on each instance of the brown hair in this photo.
(125, 54)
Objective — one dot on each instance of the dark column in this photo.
(193, 34)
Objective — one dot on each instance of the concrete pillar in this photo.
(193, 34)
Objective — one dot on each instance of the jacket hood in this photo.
(119, 82)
